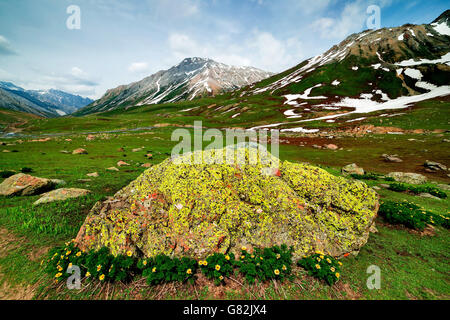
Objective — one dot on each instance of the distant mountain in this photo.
(192, 78)
(46, 103)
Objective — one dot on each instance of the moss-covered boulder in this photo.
(198, 209)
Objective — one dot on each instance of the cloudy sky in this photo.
(120, 41)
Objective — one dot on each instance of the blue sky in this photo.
(123, 41)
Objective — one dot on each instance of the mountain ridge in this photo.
(191, 78)
(45, 103)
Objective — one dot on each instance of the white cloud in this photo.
(138, 67)
(5, 47)
(352, 19)
(259, 49)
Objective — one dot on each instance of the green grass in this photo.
(412, 266)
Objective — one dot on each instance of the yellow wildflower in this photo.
(340, 263)
(337, 275)
(129, 253)
(276, 271)
(227, 257)
(88, 274)
(68, 252)
(284, 268)
(317, 267)
(221, 278)
(244, 248)
(332, 269)
(144, 263)
(217, 267)
(102, 277)
(99, 267)
(154, 269)
(278, 256)
(78, 253)
(328, 260)
(189, 271)
(205, 263)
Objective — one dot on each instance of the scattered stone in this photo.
(446, 140)
(427, 195)
(93, 174)
(121, 150)
(136, 150)
(306, 205)
(408, 177)
(68, 140)
(376, 188)
(391, 158)
(65, 151)
(445, 187)
(90, 137)
(384, 185)
(331, 146)
(59, 182)
(122, 163)
(79, 151)
(434, 166)
(6, 151)
(315, 146)
(112, 169)
(149, 156)
(61, 194)
(146, 165)
(84, 180)
(352, 169)
(25, 185)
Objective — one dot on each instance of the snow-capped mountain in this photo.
(384, 69)
(46, 103)
(192, 78)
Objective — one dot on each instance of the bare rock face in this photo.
(61, 194)
(25, 185)
(198, 209)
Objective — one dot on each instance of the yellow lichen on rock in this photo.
(197, 209)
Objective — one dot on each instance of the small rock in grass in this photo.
(391, 158)
(64, 151)
(146, 165)
(427, 195)
(352, 169)
(434, 166)
(149, 155)
(408, 177)
(93, 174)
(61, 194)
(80, 151)
(331, 146)
(122, 163)
(112, 169)
(136, 150)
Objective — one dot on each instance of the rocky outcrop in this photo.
(198, 209)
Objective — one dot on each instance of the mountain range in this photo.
(45, 103)
(190, 79)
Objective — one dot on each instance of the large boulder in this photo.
(61, 194)
(198, 209)
(25, 185)
(408, 177)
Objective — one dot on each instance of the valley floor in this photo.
(413, 265)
